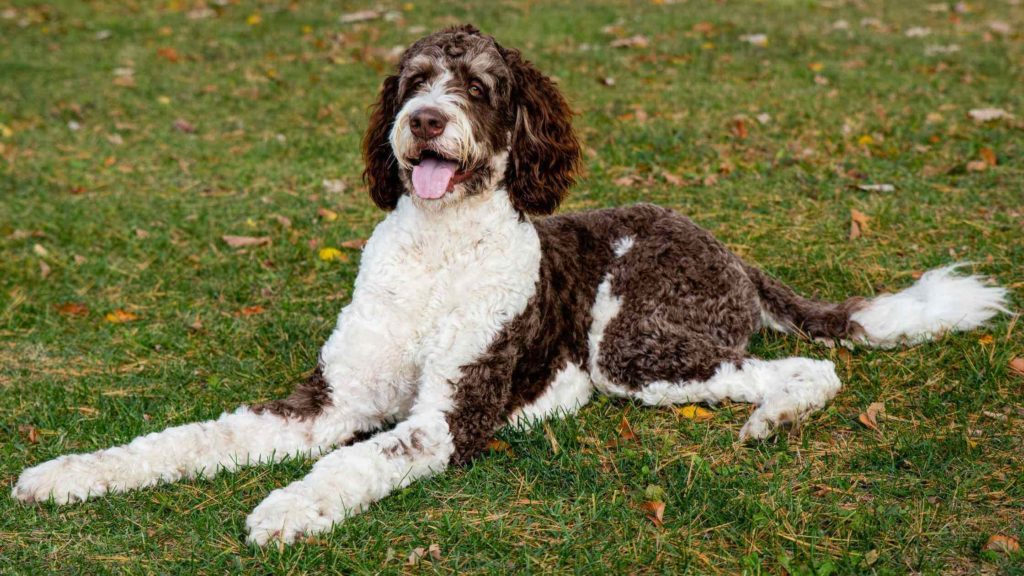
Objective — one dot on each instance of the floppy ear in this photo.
(381, 172)
(545, 154)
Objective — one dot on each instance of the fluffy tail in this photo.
(940, 301)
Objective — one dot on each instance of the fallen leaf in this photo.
(197, 325)
(86, 410)
(44, 269)
(858, 223)
(243, 241)
(327, 214)
(30, 432)
(989, 114)
(329, 254)
(638, 41)
(977, 166)
(1005, 544)
(738, 127)
(73, 309)
(250, 311)
(40, 250)
(988, 155)
(876, 187)
(1017, 366)
(435, 551)
(284, 221)
(354, 244)
(626, 430)
(495, 445)
(1000, 27)
(359, 16)
(694, 412)
(169, 54)
(182, 125)
(986, 340)
(120, 316)
(672, 178)
(870, 416)
(254, 19)
(416, 555)
(759, 40)
(917, 32)
(655, 512)
(333, 186)
(141, 234)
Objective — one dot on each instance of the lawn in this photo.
(135, 135)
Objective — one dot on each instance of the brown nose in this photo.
(427, 123)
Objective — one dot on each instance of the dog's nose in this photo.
(427, 123)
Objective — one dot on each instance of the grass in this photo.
(106, 206)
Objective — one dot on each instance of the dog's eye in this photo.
(476, 89)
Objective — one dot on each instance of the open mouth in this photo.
(434, 175)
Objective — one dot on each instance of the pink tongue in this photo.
(431, 176)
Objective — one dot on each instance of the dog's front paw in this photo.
(65, 479)
(287, 514)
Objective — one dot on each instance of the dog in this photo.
(474, 309)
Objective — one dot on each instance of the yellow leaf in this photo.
(120, 316)
(331, 254)
(816, 66)
(5, 131)
(254, 19)
(164, 100)
(327, 214)
(866, 140)
(986, 340)
(694, 412)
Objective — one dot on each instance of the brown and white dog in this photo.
(470, 313)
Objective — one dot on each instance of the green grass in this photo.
(279, 105)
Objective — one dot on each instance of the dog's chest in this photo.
(449, 281)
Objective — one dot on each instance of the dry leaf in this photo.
(284, 221)
(169, 54)
(73, 309)
(182, 125)
(988, 155)
(759, 40)
(876, 187)
(435, 551)
(870, 416)
(243, 241)
(858, 223)
(30, 432)
(738, 127)
(977, 166)
(655, 512)
(40, 250)
(354, 244)
(495, 445)
(989, 114)
(141, 234)
(250, 311)
(333, 186)
(327, 214)
(329, 254)
(1017, 366)
(120, 316)
(359, 16)
(694, 412)
(1004, 544)
(638, 41)
(44, 269)
(197, 325)
(672, 178)
(416, 555)
(986, 340)
(626, 430)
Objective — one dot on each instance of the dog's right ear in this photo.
(381, 171)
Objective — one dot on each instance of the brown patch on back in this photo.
(308, 400)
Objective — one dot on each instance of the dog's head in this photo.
(463, 115)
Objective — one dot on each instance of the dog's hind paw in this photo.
(286, 515)
(64, 480)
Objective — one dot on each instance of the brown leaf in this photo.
(354, 244)
(327, 214)
(626, 430)
(250, 311)
(197, 325)
(284, 221)
(869, 417)
(168, 53)
(858, 223)
(638, 41)
(1017, 366)
(977, 166)
(243, 241)
(44, 269)
(988, 156)
(182, 125)
(671, 178)
(495, 445)
(415, 556)
(120, 316)
(72, 309)
(738, 127)
(655, 512)
(1005, 544)
(30, 432)
(141, 234)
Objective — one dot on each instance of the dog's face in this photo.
(462, 116)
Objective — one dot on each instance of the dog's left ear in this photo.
(544, 154)
(381, 171)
